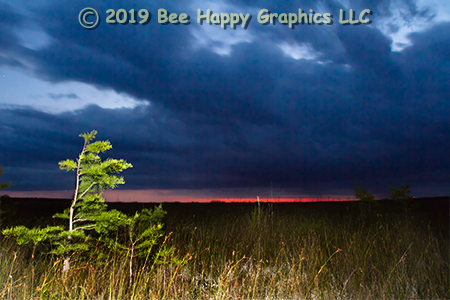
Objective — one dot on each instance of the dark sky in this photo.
(316, 110)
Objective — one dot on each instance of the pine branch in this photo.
(84, 193)
(87, 227)
(83, 220)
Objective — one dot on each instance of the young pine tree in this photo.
(88, 211)
(5, 184)
(367, 201)
(402, 197)
(402, 194)
(2, 186)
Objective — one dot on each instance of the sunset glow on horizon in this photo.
(173, 196)
(279, 200)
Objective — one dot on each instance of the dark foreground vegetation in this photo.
(244, 251)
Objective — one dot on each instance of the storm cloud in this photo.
(314, 110)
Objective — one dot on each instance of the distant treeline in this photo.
(30, 210)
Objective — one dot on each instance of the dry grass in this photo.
(243, 256)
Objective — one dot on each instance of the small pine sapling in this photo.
(402, 196)
(2, 186)
(88, 211)
(367, 201)
(143, 231)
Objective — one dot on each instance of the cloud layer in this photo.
(317, 109)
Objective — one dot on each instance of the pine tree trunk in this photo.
(131, 266)
(66, 266)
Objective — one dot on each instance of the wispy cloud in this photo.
(61, 96)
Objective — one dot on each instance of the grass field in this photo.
(237, 251)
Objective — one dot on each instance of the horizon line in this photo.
(161, 196)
